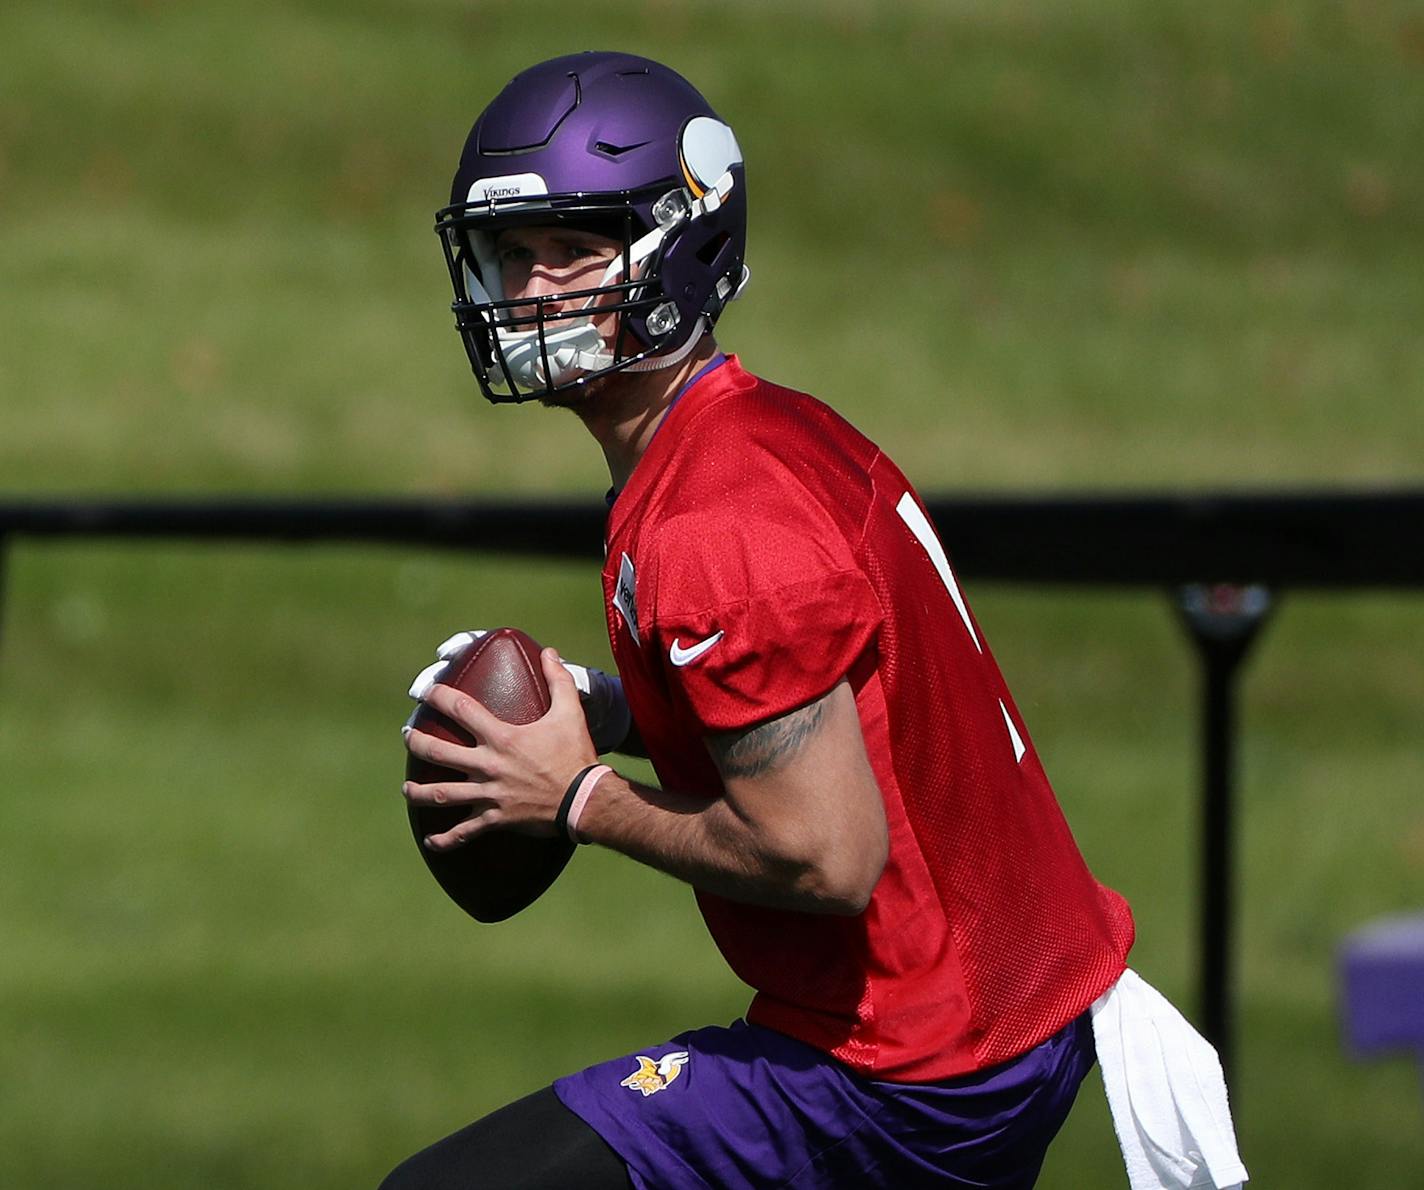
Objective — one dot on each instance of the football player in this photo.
(846, 781)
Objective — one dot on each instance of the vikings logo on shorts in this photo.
(652, 1077)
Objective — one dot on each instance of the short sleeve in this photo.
(759, 617)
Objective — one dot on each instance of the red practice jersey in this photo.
(763, 550)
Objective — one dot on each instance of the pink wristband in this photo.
(581, 794)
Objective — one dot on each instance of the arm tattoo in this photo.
(752, 752)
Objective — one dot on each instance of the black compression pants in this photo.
(535, 1143)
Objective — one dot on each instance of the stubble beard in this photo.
(577, 396)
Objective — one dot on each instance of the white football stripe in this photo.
(924, 533)
(1019, 748)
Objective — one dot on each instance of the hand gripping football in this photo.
(499, 872)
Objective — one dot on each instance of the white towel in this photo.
(1165, 1091)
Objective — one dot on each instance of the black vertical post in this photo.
(1223, 621)
(4, 550)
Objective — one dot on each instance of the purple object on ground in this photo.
(1382, 972)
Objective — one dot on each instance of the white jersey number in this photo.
(924, 533)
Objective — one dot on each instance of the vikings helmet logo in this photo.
(652, 1077)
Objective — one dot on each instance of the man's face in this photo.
(548, 261)
(544, 261)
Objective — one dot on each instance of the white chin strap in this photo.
(656, 362)
(574, 348)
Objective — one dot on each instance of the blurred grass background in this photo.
(1104, 244)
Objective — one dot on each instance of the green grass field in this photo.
(1023, 245)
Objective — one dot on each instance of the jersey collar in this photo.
(720, 374)
(709, 367)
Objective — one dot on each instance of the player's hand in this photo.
(517, 774)
(600, 694)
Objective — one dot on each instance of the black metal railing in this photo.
(1221, 556)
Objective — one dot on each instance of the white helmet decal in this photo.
(707, 149)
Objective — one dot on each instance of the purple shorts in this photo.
(748, 1107)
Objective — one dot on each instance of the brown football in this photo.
(500, 872)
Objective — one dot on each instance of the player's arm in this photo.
(801, 825)
(632, 744)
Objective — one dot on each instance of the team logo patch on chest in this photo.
(625, 597)
(652, 1077)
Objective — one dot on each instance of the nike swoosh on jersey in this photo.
(680, 656)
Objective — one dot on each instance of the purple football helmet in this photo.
(610, 143)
